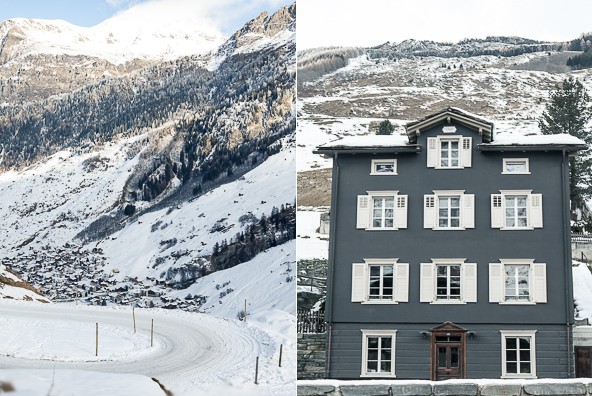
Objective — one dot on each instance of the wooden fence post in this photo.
(256, 369)
(152, 333)
(97, 340)
(246, 313)
(281, 347)
(134, 318)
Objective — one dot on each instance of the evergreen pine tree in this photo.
(385, 128)
(568, 112)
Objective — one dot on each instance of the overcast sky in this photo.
(227, 15)
(371, 22)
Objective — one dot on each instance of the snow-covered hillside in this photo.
(156, 30)
(12, 287)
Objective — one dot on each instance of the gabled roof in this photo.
(484, 127)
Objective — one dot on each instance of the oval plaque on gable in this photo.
(449, 129)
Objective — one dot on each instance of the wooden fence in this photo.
(311, 322)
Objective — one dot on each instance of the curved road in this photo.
(193, 348)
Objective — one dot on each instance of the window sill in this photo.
(379, 302)
(382, 229)
(518, 376)
(377, 375)
(517, 303)
(516, 173)
(449, 229)
(517, 228)
(450, 167)
(384, 174)
(448, 302)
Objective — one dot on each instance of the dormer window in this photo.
(449, 152)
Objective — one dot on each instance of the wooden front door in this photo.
(583, 362)
(448, 352)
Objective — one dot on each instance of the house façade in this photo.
(449, 253)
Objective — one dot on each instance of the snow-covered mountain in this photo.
(124, 182)
(156, 30)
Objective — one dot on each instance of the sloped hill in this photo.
(14, 288)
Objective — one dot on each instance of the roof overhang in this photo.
(484, 127)
(531, 147)
(412, 148)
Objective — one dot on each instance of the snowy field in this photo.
(193, 353)
(309, 243)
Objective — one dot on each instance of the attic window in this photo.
(515, 166)
(384, 167)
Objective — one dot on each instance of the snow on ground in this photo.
(197, 352)
(76, 383)
(582, 290)
(15, 292)
(69, 341)
(310, 244)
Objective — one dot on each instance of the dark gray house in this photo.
(450, 253)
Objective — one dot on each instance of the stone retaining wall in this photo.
(450, 389)
(311, 356)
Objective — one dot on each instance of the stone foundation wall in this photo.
(451, 389)
(311, 356)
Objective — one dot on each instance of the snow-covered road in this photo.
(191, 350)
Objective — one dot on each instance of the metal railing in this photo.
(311, 322)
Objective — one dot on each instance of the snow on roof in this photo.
(507, 139)
(369, 141)
(514, 139)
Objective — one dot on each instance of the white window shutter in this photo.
(359, 282)
(429, 211)
(469, 282)
(497, 211)
(402, 282)
(496, 282)
(539, 284)
(426, 287)
(536, 210)
(363, 217)
(468, 210)
(401, 211)
(432, 152)
(465, 156)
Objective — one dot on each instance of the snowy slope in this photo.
(11, 287)
(156, 30)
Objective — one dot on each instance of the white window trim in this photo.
(377, 333)
(376, 161)
(399, 213)
(448, 261)
(527, 172)
(528, 193)
(519, 333)
(531, 282)
(396, 287)
(462, 162)
(463, 210)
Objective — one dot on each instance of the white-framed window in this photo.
(518, 353)
(380, 281)
(378, 353)
(448, 281)
(515, 166)
(516, 210)
(449, 152)
(382, 210)
(449, 210)
(517, 281)
(383, 167)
